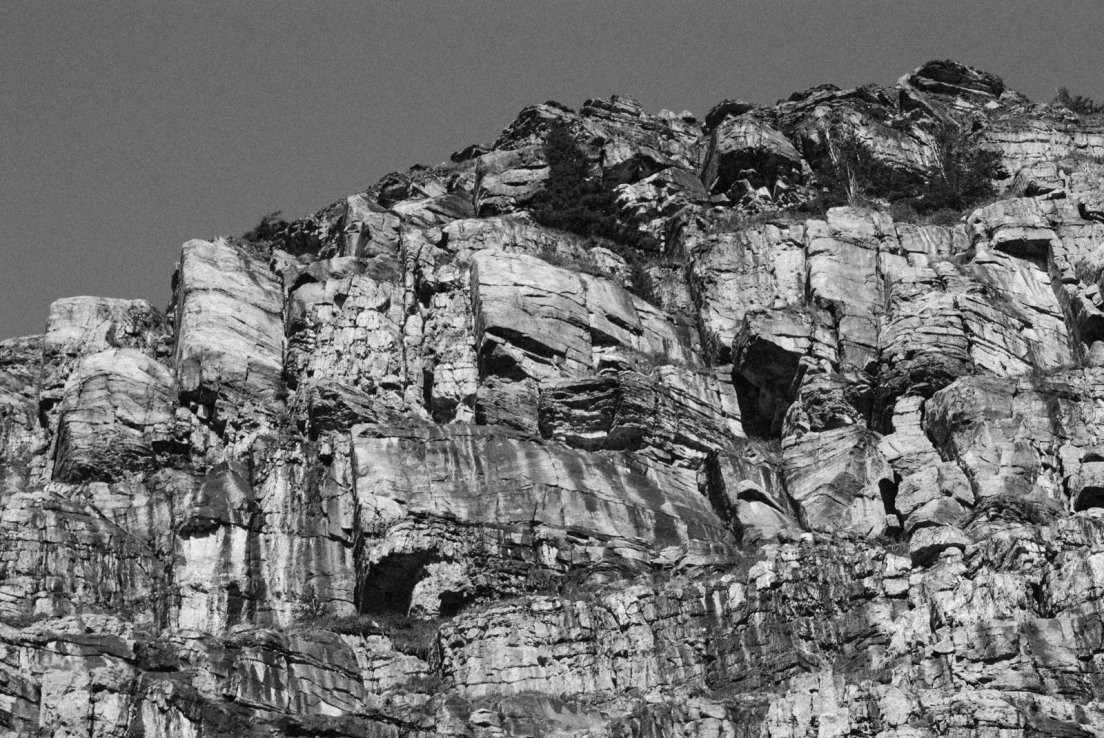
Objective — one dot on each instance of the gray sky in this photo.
(128, 128)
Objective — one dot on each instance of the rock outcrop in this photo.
(420, 465)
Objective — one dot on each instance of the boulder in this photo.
(742, 148)
(839, 480)
(216, 355)
(948, 77)
(117, 415)
(78, 326)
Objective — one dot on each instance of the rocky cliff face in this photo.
(424, 467)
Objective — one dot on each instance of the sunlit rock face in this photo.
(423, 466)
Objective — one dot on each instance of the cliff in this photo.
(419, 465)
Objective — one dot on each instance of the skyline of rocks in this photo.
(419, 465)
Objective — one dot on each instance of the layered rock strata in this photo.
(423, 466)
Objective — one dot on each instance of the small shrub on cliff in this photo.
(713, 348)
(571, 200)
(961, 175)
(270, 230)
(1078, 103)
(851, 174)
(642, 285)
(584, 264)
(309, 607)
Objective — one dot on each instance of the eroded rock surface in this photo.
(421, 466)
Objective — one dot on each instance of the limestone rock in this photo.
(936, 495)
(117, 415)
(78, 326)
(742, 149)
(724, 109)
(347, 323)
(734, 271)
(420, 466)
(948, 77)
(745, 485)
(838, 479)
(929, 542)
(678, 415)
(770, 354)
(229, 327)
(609, 495)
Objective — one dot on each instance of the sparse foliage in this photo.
(714, 349)
(643, 286)
(852, 174)
(272, 228)
(571, 200)
(309, 607)
(961, 175)
(1077, 103)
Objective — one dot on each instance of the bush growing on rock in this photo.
(309, 607)
(1077, 103)
(642, 284)
(852, 174)
(271, 229)
(961, 175)
(571, 200)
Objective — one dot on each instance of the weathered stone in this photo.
(838, 479)
(229, 327)
(742, 148)
(733, 272)
(724, 109)
(347, 323)
(20, 433)
(117, 415)
(929, 542)
(399, 472)
(1018, 436)
(948, 77)
(61, 558)
(908, 448)
(771, 353)
(532, 317)
(1087, 486)
(843, 259)
(411, 471)
(508, 179)
(654, 201)
(827, 401)
(78, 326)
(936, 495)
(678, 415)
(745, 485)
